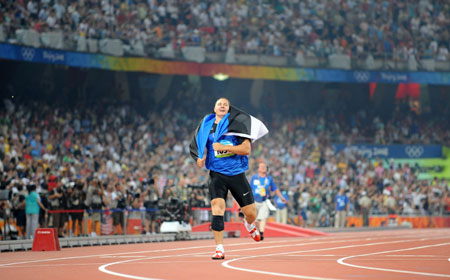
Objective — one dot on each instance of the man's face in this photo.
(262, 168)
(222, 107)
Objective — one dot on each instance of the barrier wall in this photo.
(416, 222)
(147, 65)
(135, 225)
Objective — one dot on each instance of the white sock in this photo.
(248, 226)
(219, 247)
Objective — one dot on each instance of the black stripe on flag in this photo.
(240, 124)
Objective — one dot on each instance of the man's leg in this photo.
(337, 219)
(249, 219)
(28, 226)
(284, 216)
(34, 224)
(343, 219)
(262, 214)
(147, 223)
(217, 226)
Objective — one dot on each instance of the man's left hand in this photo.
(219, 147)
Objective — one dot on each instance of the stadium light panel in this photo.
(220, 77)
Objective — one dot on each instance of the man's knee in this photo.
(250, 213)
(218, 207)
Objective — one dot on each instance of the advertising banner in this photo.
(393, 151)
(148, 65)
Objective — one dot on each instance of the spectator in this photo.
(303, 205)
(390, 203)
(281, 215)
(366, 203)
(342, 203)
(315, 203)
(32, 207)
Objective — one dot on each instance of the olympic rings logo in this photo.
(361, 76)
(414, 151)
(27, 54)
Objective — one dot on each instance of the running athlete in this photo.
(263, 186)
(226, 158)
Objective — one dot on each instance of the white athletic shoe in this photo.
(218, 255)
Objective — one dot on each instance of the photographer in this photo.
(134, 201)
(196, 200)
(43, 194)
(95, 203)
(118, 205)
(57, 200)
(150, 199)
(76, 202)
(9, 231)
(18, 208)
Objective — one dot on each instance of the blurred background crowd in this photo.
(111, 157)
(383, 29)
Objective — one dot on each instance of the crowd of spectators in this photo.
(386, 29)
(111, 157)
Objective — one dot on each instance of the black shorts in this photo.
(76, 216)
(238, 185)
(118, 218)
(151, 210)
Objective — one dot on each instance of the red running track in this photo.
(391, 254)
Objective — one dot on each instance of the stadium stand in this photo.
(342, 34)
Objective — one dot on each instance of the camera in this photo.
(197, 186)
(79, 186)
(133, 194)
(4, 195)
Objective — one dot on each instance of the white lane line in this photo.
(333, 238)
(327, 239)
(130, 253)
(415, 256)
(227, 263)
(301, 255)
(342, 261)
(118, 257)
(104, 267)
(103, 255)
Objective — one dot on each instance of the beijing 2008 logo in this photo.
(414, 151)
(27, 54)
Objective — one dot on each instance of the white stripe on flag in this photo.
(258, 128)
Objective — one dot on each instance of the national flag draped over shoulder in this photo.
(236, 122)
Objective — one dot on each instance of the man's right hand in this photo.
(201, 161)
